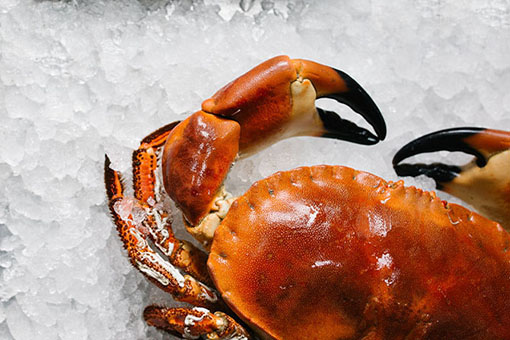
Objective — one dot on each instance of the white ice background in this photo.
(82, 78)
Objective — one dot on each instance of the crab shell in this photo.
(328, 252)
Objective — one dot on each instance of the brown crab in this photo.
(324, 252)
(275, 100)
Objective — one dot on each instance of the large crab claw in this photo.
(483, 183)
(273, 101)
(276, 100)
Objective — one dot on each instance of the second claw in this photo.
(483, 183)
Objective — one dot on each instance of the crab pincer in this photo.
(484, 183)
(273, 101)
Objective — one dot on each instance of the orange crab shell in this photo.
(490, 141)
(267, 85)
(197, 158)
(261, 100)
(332, 253)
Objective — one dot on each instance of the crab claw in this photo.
(483, 183)
(276, 100)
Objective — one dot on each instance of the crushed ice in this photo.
(129, 210)
(82, 78)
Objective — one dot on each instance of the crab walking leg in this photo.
(145, 161)
(133, 235)
(148, 190)
(196, 322)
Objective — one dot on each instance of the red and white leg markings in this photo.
(133, 226)
(144, 218)
(148, 189)
(195, 322)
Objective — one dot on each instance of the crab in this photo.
(483, 183)
(322, 252)
(189, 160)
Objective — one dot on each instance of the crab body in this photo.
(333, 253)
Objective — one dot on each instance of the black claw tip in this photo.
(440, 173)
(359, 101)
(339, 128)
(448, 140)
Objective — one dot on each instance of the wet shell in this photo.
(328, 252)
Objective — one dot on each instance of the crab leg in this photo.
(148, 191)
(273, 101)
(196, 322)
(483, 183)
(133, 234)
